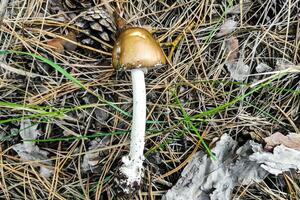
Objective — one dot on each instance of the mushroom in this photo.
(136, 50)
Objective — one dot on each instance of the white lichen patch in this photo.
(204, 178)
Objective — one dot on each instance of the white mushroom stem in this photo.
(132, 166)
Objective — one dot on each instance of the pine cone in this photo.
(77, 4)
(96, 21)
(93, 21)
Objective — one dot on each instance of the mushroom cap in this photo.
(136, 48)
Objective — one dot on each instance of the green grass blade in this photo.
(237, 99)
(67, 75)
(188, 121)
(100, 134)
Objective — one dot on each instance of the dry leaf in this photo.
(56, 45)
(282, 159)
(28, 151)
(232, 47)
(228, 27)
(92, 158)
(69, 45)
(291, 140)
(262, 67)
(120, 22)
(28, 132)
(60, 45)
(37, 158)
(239, 71)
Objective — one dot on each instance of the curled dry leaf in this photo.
(92, 158)
(282, 159)
(56, 45)
(29, 151)
(239, 71)
(291, 140)
(28, 132)
(60, 45)
(232, 47)
(227, 27)
(69, 45)
(262, 67)
(121, 23)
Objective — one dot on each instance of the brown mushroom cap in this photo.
(136, 48)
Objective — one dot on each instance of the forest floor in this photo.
(233, 67)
